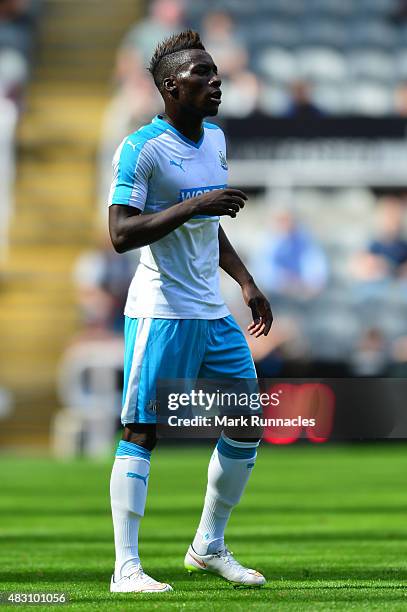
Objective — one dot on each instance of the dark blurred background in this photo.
(315, 112)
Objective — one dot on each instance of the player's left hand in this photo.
(261, 310)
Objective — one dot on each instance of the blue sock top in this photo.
(235, 452)
(129, 449)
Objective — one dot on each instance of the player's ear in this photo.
(170, 85)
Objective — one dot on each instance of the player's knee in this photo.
(244, 434)
(142, 434)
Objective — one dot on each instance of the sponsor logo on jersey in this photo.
(193, 192)
(222, 160)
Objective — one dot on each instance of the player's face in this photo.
(198, 84)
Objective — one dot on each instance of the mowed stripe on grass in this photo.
(325, 524)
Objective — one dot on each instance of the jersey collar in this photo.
(158, 120)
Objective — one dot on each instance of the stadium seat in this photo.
(237, 101)
(402, 36)
(382, 8)
(334, 8)
(393, 321)
(373, 33)
(238, 9)
(282, 8)
(329, 97)
(321, 64)
(322, 32)
(372, 64)
(369, 98)
(331, 331)
(274, 100)
(90, 391)
(269, 32)
(401, 65)
(277, 64)
(380, 310)
(357, 207)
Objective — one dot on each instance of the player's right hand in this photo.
(220, 202)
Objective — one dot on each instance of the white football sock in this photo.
(128, 493)
(228, 472)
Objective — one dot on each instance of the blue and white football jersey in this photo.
(153, 169)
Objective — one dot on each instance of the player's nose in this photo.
(215, 81)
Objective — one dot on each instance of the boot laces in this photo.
(227, 556)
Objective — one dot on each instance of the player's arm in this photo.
(131, 230)
(231, 263)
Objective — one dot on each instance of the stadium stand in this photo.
(350, 56)
(54, 201)
(17, 43)
(359, 46)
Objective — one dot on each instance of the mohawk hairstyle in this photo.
(163, 62)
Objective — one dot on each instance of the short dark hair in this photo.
(164, 61)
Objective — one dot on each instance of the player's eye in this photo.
(203, 70)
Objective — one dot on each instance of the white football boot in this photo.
(138, 582)
(225, 565)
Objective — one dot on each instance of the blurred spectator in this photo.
(220, 40)
(13, 9)
(6, 402)
(370, 357)
(399, 12)
(8, 124)
(400, 100)
(301, 105)
(290, 262)
(391, 244)
(134, 104)
(386, 255)
(286, 342)
(17, 22)
(240, 87)
(165, 18)
(136, 99)
(102, 279)
(17, 26)
(13, 75)
(398, 367)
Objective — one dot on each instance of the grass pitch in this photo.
(325, 524)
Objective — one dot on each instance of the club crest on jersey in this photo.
(222, 160)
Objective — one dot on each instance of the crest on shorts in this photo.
(153, 405)
(222, 160)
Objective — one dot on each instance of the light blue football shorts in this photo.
(182, 349)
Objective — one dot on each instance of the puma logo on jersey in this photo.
(174, 163)
(132, 144)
